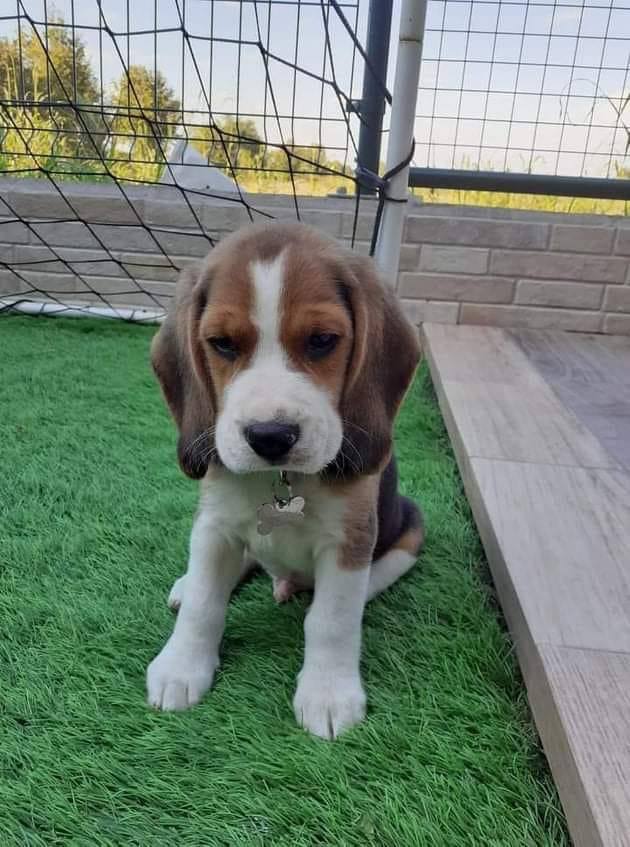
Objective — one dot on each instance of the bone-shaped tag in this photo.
(272, 515)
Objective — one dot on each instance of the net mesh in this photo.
(530, 86)
(133, 135)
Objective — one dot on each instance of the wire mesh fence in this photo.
(188, 113)
(530, 86)
(133, 135)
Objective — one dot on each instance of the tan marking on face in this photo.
(325, 289)
(230, 302)
(312, 304)
(360, 521)
(235, 324)
(355, 391)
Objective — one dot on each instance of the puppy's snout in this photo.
(271, 440)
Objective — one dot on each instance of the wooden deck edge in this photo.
(556, 743)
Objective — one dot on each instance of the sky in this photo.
(505, 84)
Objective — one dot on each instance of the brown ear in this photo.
(180, 368)
(385, 355)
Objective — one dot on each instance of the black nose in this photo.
(272, 440)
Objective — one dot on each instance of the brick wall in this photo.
(458, 264)
(518, 269)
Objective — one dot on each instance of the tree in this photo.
(52, 88)
(229, 143)
(305, 159)
(146, 115)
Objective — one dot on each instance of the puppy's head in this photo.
(282, 350)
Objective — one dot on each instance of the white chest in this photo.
(234, 502)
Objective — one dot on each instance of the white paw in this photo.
(328, 704)
(179, 676)
(177, 592)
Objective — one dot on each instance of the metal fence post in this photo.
(405, 94)
(372, 105)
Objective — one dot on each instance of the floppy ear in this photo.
(180, 367)
(385, 354)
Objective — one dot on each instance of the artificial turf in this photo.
(94, 523)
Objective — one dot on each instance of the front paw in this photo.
(328, 704)
(176, 594)
(179, 676)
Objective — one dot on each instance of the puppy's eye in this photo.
(224, 346)
(320, 344)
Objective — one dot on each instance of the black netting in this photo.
(133, 135)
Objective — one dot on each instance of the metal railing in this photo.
(525, 96)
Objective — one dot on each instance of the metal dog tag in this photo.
(284, 511)
(272, 515)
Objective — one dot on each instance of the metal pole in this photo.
(372, 106)
(405, 94)
(521, 183)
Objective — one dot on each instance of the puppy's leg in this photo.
(177, 590)
(330, 697)
(176, 593)
(182, 673)
(400, 557)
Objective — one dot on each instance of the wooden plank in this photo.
(617, 445)
(557, 537)
(581, 703)
(591, 376)
(523, 425)
(478, 354)
(562, 538)
(504, 408)
(576, 358)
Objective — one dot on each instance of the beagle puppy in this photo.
(283, 361)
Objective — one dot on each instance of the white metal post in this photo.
(404, 97)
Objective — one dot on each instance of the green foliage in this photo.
(528, 202)
(59, 75)
(54, 127)
(146, 115)
(236, 147)
(229, 143)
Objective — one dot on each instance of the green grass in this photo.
(94, 523)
